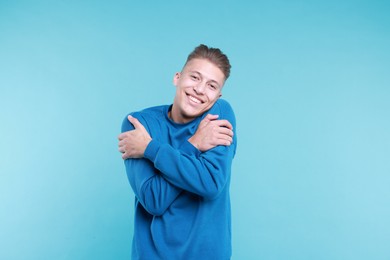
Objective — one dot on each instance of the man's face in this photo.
(198, 87)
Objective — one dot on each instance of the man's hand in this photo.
(211, 133)
(132, 144)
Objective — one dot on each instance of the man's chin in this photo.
(193, 114)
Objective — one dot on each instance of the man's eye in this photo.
(194, 77)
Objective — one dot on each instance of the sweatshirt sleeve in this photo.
(204, 174)
(154, 192)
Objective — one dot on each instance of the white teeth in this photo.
(194, 99)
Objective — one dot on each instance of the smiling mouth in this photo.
(195, 100)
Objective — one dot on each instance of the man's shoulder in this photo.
(221, 107)
(153, 111)
(223, 103)
(148, 117)
(150, 112)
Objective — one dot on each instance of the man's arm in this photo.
(209, 134)
(205, 174)
(152, 190)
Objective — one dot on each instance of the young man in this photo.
(178, 161)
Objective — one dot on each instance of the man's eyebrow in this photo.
(194, 71)
(197, 72)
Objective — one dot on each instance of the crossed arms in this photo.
(210, 133)
(155, 183)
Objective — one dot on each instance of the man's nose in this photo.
(200, 88)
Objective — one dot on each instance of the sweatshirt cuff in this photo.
(189, 149)
(151, 150)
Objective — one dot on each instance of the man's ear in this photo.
(176, 78)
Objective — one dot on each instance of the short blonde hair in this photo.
(214, 55)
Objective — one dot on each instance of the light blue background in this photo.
(310, 87)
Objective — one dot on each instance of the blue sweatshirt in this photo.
(182, 202)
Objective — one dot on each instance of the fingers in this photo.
(223, 127)
(225, 139)
(222, 140)
(211, 117)
(221, 122)
(122, 150)
(121, 147)
(226, 131)
(125, 156)
(135, 122)
(224, 123)
(121, 136)
(208, 118)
